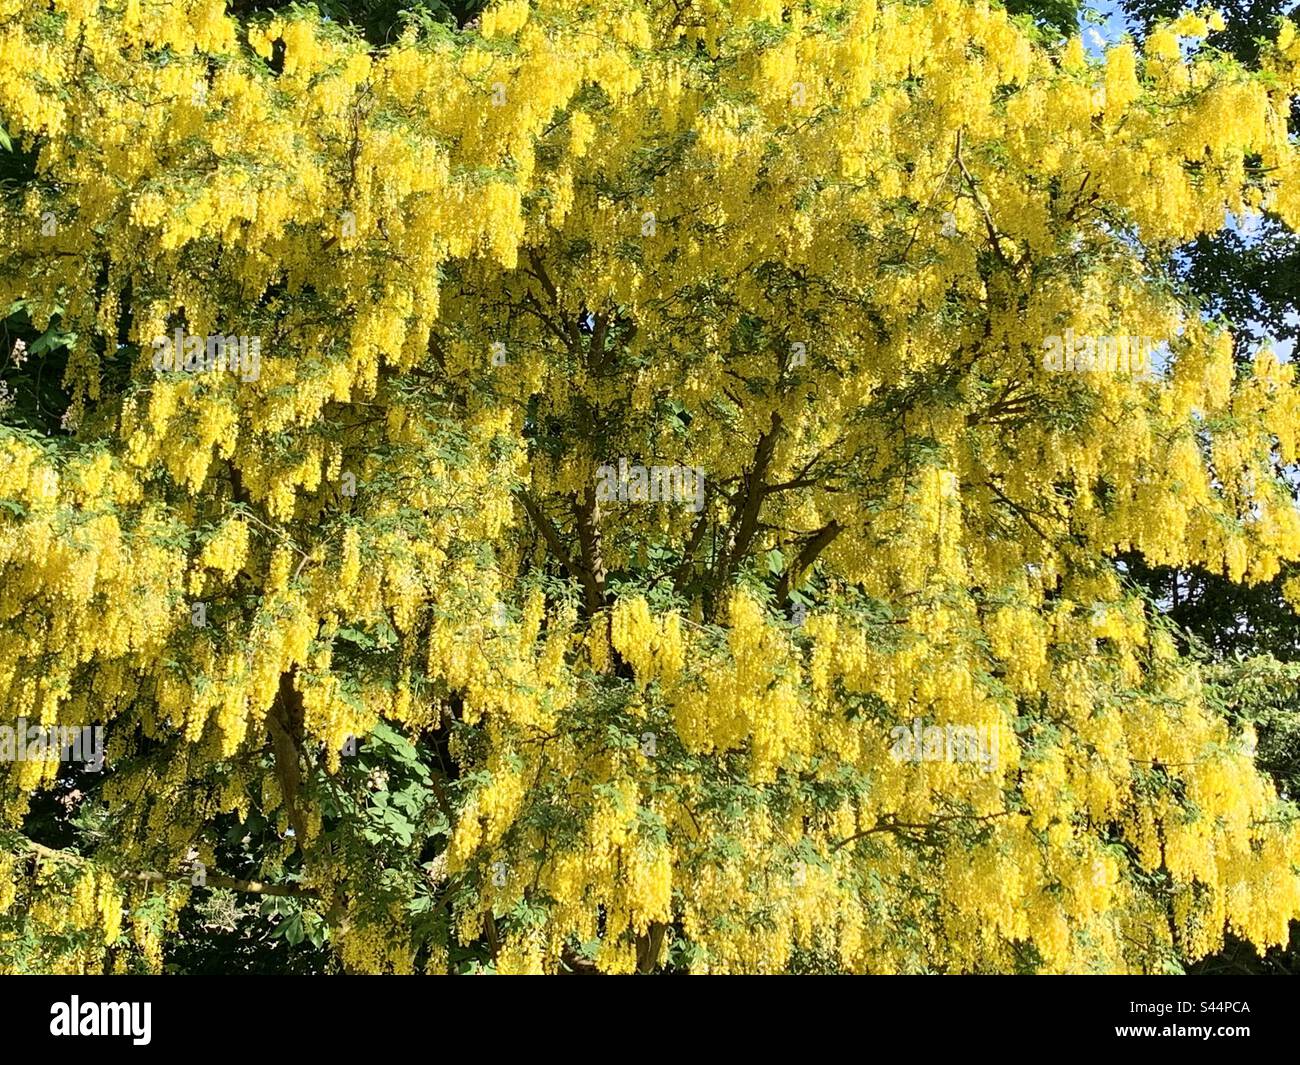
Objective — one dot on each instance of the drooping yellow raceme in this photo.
(814, 253)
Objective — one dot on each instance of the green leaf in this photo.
(317, 929)
(292, 929)
(277, 905)
(52, 338)
(355, 636)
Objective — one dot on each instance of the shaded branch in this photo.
(984, 210)
(806, 557)
(592, 571)
(750, 502)
(212, 880)
(548, 530)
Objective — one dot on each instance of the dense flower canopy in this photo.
(811, 251)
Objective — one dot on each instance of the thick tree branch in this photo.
(285, 723)
(806, 557)
(749, 502)
(599, 329)
(592, 571)
(683, 572)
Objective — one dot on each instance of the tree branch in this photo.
(750, 502)
(806, 557)
(984, 210)
(548, 530)
(212, 880)
(592, 571)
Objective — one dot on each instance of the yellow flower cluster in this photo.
(652, 646)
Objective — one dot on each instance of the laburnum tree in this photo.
(373, 645)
